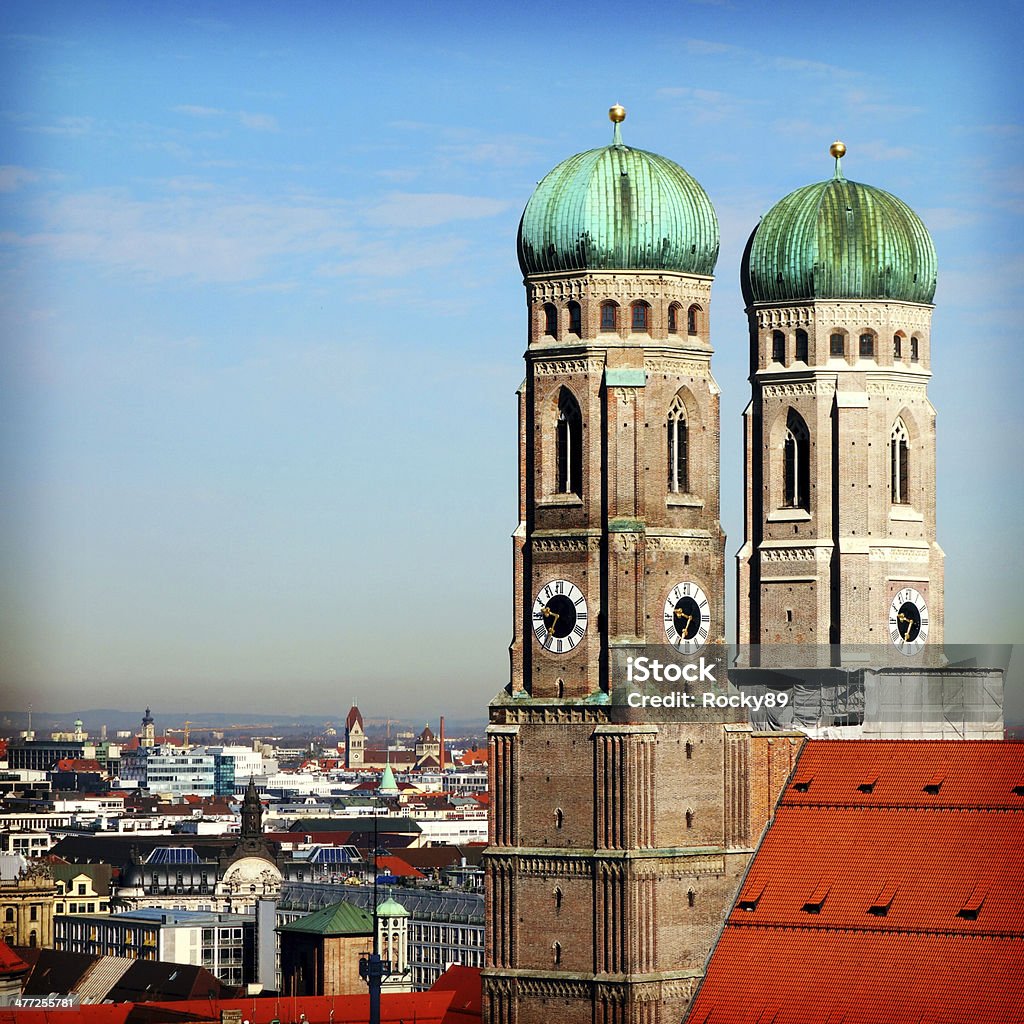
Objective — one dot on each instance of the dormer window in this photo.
(816, 900)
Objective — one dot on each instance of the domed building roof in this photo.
(618, 208)
(839, 239)
(391, 908)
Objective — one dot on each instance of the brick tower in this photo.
(840, 544)
(612, 862)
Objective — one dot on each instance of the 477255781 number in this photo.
(44, 1003)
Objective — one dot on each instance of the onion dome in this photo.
(618, 208)
(839, 239)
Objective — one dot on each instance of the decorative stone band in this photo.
(846, 314)
(684, 288)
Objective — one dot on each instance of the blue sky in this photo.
(263, 322)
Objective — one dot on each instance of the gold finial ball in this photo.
(837, 149)
(617, 113)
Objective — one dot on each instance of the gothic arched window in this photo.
(559, 818)
(641, 317)
(678, 449)
(778, 347)
(693, 319)
(569, 446)
(691, 898)
(609, 316)
(689, 819)
(556, 949)
(899, 463)
(801, 346)
(914, 350)
(796, 479)
(575, 319)
(550, 320)
(673, 318)
(558, 897)
(897, 346)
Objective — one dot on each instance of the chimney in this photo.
(441, 757)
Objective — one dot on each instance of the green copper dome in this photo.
(839, 239)
(391, 908)
(618, 208)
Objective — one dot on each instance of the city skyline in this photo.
(265, 324)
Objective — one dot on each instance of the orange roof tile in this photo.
(813, 977)
(886, 888)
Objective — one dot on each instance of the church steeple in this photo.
(252, 814)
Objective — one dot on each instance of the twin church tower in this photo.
(616, 848)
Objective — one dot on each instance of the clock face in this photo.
(559, 616)
(687, 617)
(908, 621)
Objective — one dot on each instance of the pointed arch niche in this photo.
(684, 450)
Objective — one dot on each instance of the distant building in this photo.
(81, 888)
(185, 772)
(355, 739)
(320, 952)
(27, 892)
(225, 944)
(203, 876)
(445, 926)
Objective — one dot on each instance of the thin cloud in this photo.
(187, 237)
(431, 209)
(881, 151)
(757, 59)
(248, 119)
(72, 126)
(258, 122)
(397, 260)
(194, 110)
(13, 177)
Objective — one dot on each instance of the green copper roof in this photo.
(387, 780)
(618, 208)
(839, 239)
(391, 908)
(337, 919)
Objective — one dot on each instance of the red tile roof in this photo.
(10, 962)
(397, 867)
(812, 977)
(422, 1007)
(887, 888)
(467, 994)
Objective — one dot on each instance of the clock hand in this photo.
(549, 614)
